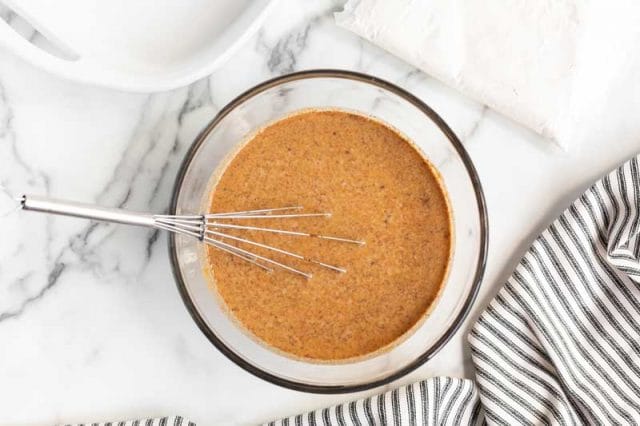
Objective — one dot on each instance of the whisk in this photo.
(209, 228)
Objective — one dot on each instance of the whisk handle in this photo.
(87, 211)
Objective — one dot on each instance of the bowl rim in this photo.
(480, 201)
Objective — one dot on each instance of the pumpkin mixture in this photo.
(379, 189)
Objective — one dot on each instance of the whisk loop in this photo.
(208, 228)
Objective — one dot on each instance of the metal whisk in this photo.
(208, 228)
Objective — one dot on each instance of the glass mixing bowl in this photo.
(275, 99)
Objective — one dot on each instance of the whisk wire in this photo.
(236, 253)
(276, 249)
(215, 224)
(266, 216)
(218, 243)
(256, 212)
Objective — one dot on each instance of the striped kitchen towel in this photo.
(560, 344)
(158, 421)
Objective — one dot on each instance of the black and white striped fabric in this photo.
(158, 421)
(560, 344)
(437, 401)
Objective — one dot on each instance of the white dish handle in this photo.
(31, 53)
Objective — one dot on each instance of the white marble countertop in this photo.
(91, 324)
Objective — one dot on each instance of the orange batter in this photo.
(380, 190)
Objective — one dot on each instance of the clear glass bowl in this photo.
(374, 97)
